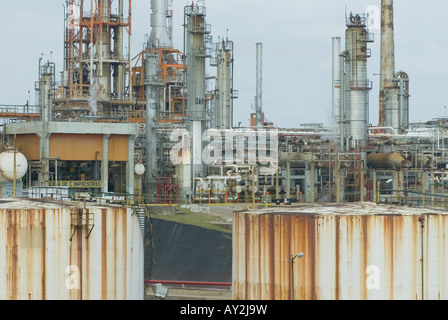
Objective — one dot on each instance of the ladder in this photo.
(146, 227)
(82, 218)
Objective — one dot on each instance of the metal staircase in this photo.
(145, 221)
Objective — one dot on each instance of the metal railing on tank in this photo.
(412, 197)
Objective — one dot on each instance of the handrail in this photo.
(197, 283)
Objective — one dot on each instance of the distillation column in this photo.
(104, 67)
(336, 84)
(119, 68)
(356, 83)
(159, 38)
(223, 94)
(46, 82)
(197, 30)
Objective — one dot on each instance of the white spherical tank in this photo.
(7, 165)
(140, 169)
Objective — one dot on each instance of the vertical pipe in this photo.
(342, 102)
(151, 82)
(336, 92)
(292, 276)
(337, 178)
(91, 43)
(130, 187)
(15, 169)
(374, 187)
(131, 95)
(288, 180)
(105, 164)
(422, 225)
(253, 187)
(119, 85)
(259, 97)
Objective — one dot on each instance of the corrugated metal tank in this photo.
(43, 256)
(351, 251)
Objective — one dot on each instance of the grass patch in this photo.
(198, 219)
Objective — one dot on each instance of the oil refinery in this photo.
(119, 130)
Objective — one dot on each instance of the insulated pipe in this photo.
(151, 61)
(336, 92)
(404, 99)
(342, 58)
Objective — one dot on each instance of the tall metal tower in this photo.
(356, 85)
(96, 66)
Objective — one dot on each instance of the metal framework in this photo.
(95, 64)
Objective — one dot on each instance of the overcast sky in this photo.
(296, 37)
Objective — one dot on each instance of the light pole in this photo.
(293, 256)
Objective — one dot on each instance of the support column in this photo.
(288, 180)
(44, 174)
(309, 183)
(375, 198)
(105, 163)
(337, 180)
(395, 186)
(130, 166)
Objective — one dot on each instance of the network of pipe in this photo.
(189, 145)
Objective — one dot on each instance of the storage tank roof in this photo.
(352, 208)
(29, 204)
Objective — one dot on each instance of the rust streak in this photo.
(364, 249)
(12, 264)
(125, 246)
(88, 266)
(270, 236)
(44, 255)
(337, 255)
(312, 251)
(104, 254)
(79, 251)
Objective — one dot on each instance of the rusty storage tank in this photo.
(357, 251)
(51, 251)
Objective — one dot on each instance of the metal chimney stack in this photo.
(160, 37)
(394, 87)
(387, 63)
(259, 97)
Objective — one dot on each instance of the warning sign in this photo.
(80, 184)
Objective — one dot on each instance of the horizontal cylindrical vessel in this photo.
(50, 251)
(387, 161)
(351, 252)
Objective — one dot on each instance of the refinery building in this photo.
(117, 131)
